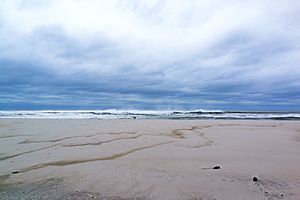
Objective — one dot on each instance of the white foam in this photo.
(144, 114)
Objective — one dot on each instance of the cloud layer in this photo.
(159, 54)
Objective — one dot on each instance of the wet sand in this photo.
(149, 159)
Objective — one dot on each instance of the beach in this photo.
(149, 159)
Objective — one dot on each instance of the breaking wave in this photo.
(148, 114)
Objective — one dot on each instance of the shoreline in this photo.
(151, 114)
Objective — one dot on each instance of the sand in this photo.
(149, 159)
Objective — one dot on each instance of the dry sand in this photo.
(149, 159)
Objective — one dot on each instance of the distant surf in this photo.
(148, 114)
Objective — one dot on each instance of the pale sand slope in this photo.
(149, 159)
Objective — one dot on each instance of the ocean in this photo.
(148, 114)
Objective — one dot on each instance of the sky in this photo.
(158, 54)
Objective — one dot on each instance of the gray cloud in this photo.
(158, 54)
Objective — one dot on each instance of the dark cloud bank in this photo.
(137, 61)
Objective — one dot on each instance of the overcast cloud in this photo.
(159, 54)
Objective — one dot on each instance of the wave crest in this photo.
(148, 114)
